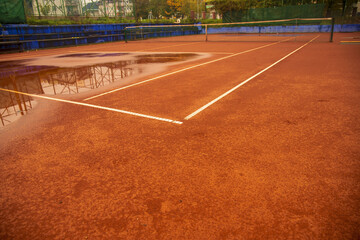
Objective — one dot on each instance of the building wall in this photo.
(57, 7)
(124, 8)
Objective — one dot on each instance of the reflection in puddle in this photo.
(13, 105)
(93, 55)
(163, 57)
(31, 77)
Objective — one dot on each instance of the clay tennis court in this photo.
(247, 140)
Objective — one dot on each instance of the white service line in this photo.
(182, 70)
(242, 83)
(95, 106)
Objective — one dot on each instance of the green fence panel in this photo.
(12, 11)
(286, 12)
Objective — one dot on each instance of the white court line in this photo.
(95, 106)
(182, 70)
(242, 83)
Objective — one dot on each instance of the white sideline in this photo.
(242, 83)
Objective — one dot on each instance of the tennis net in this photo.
(298, 29)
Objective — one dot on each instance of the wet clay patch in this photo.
(69, 74)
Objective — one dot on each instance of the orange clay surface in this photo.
(278, 158)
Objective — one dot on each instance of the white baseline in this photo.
(95, 106)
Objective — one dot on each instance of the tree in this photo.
(175, 6)
(158, 7)
(186, 7)
(337, 8)
(140, 9)
(223, 6)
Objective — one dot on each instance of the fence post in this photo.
(125, 35)
(206, 33)
(332, 29)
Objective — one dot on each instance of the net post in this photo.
(332, 29)
(206, 32)
(125, 35)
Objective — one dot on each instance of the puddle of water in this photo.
(164, 57)
(53, 76)
(93, 55)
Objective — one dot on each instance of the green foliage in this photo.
(161, 8)
(140, 9)
(157, 21)
(340, 8)
(223, 6)
(67, 21)
(35, 21)
(189, 21)
(209, 21)
(158, 8)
